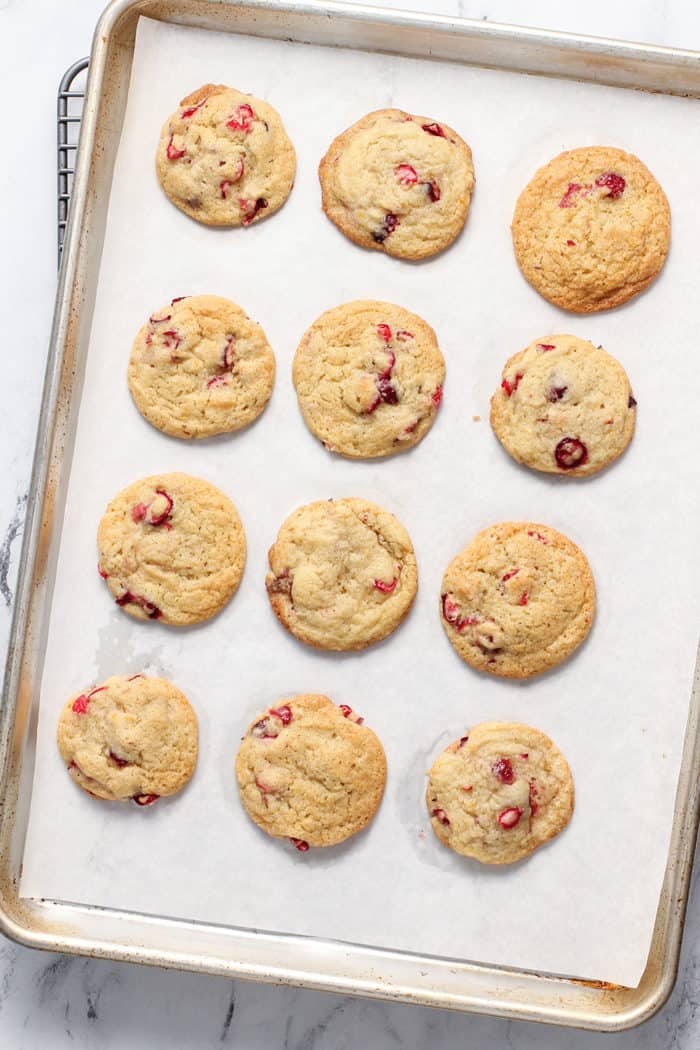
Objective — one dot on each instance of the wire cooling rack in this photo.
(71, 94)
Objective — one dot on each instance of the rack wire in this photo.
(71, 94)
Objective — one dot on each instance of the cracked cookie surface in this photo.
(310, 771)
(369, 377)
(517, 600)
(564, 406)
(592, 229)
(343, 574)
(171, 548)
(201, 367)
(224, 157)
(129, 738)
(499, 792)
(398, 183)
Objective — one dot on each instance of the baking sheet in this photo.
(584, 905)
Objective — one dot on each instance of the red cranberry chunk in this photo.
(509, 387)
(300, 845)
(186, 113)
(532, 795)
(159, 510)
(403, 335)
(509, 575)
(387, 391)
(250, 210)
(433, 191)
(384, 332)
(347, 711)
(103, 574)
(406, 175)
(283, 713)
(263, 730)
(556, 393)
(80, 705)
(229, 354)
(571, 244)
(631, 402)
(390, 223)
(145, 800)
(434, 129)
(436, 396)
(570, 452)
(614, 183)
(523, 598)
(121, 762)
(569, 198)
(440, 815)
(242, 119)
(510, 818)
(386, 588)
(502, 769)
(138, 512)
(546, 346)
(172, 152)
(538, 536)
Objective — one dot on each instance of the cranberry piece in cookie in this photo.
(319, 780)
(481, 793)
(353, 574)
(608, 206)
(221, 139)
(571, 415)
(517, 600)
(398, 183)
(129, 738)
(171, 548)
(369, 377)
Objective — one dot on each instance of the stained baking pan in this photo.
(233, 951)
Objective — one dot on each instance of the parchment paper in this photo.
(584, 905)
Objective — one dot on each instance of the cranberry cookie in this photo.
(592, 229)
(499, 793)
(369, 376)
(343, 574)
(398, 183)
(224, 158)
(310, 772)
(171, 548)
(129, 738)
(517, 600)
(200, 367)
(564, 406)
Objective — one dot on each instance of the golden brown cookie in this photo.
(171, 548)
(564, 406)
(224, 158)
(499, 792)
(517, 600)
(398, 183)
(310, 772)
(369, 376)
(200, 367)
(343, 574)
(129, 738)
(592, 229)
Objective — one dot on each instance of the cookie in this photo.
(343, 574)
(517, 600)
(171, 548)
(129, 738)
(310, 772)
(499, 793)
(564, 406)
(368, 376)
(592, 229)
(201, 367)
(398, 183)
(224, 158)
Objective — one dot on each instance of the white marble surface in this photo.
(50, 1002)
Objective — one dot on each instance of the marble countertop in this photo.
(48, 1002)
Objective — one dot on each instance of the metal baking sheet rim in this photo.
(283, 959)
